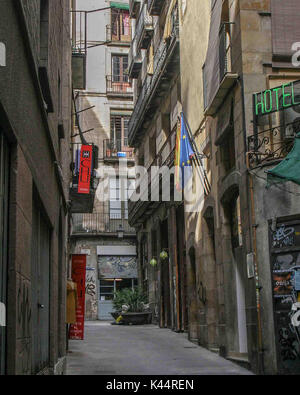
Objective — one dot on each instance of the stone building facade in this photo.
(35, 128)
(155, 67)
(102, 34)
(220, 283)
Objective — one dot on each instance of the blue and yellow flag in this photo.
(183, 155)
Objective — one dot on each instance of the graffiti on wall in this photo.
(117, 266)
(283, 236)
(91, 294)
(285, 266)
(90, 287)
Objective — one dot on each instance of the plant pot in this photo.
(134, 318)
(115, 314)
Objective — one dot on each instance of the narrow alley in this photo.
(142, 350)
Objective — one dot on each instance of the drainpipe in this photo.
(257, 286)
(254, 238)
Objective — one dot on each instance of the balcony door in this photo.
(4, 175)
(120, 24)
(120, 80)
(119, 132)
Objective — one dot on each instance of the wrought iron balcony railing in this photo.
(135, 59)
(115, 149)
(271, 144)
(117, 34)
(133, 7)
(165, 157)
(155, 6)
(144, 28)
(118, 85)
(225, 51)
(151, 83)
(97, 223)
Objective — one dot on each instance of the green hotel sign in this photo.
(277, 99)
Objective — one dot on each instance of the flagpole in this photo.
(198, 159)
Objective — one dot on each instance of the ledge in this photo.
(225, 86)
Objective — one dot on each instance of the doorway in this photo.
(237, 273)
(40, 275)
(165, 282)
(4, 185)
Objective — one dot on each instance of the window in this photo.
(115, 203)
(119, 131)
(119, 68)
(228, 152)
(120, 25)
(110, 285)
(120, 192)
(44, 31)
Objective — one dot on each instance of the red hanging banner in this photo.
(78, 276)
(85, 169)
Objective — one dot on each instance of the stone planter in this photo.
(134, 318)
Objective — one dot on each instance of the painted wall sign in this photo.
(78, 276)
(117, 266)
(276, 99)
(85, 169)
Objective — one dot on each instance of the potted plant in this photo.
(131, 307)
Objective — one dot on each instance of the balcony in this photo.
(119, 85)
(227, 77)
(270, 146)
(113, 150)
(144, 29)
(81, 202)
(116, 36)
(155, 6)
(166, 65)
(135, 60)
(100, 224)
(144, 207)
(134, 7)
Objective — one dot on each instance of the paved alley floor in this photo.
(142, 350)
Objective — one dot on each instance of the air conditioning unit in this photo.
(290, 119)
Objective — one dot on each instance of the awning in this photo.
(289, 168)
(121, 112)
(122, 6)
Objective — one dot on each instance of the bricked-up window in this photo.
(119, 130)
(44, 32)
(120, 25)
